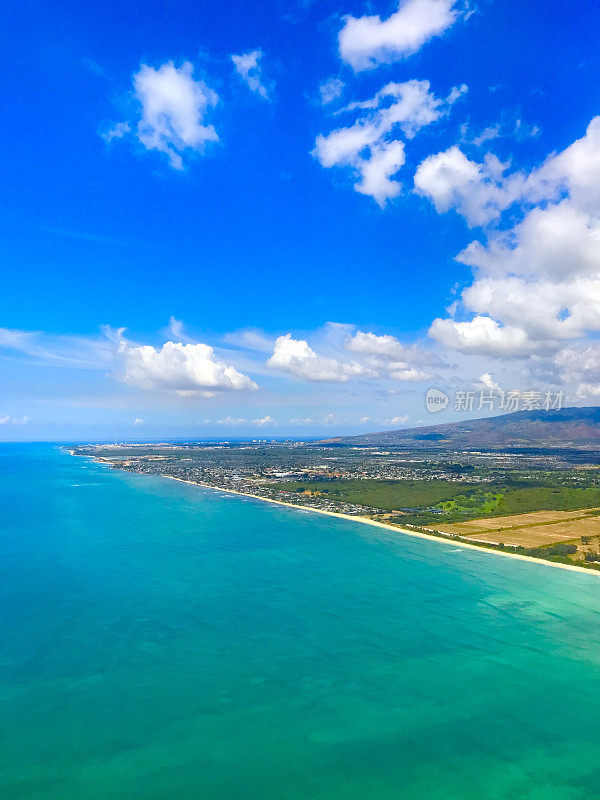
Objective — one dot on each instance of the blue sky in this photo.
(280, 191)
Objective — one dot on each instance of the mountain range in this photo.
(567, 427)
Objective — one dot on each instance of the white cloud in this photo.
(138, 421)
(580, 365)
(481, 335)
(250, 339)
(344, 145)
(556, 242)
(588, 390)
(486, 381)
(176, 329)
(330, 90)
(404, 372)
(511, 125)
(535, 315)
(231, 422)
(369, 146)
(61, 350)
(536, 283)
(6, 419)
(377, 357)
(188, 368)
(486, 135)
(388, 346)
(410, 105)
(386, 355)
(576, 170)
(376, 172)
(481, 191)
(117, 131)
(477, 191)
(296, 357)
(171, 110)
(366, 42)
(398, 420)
(248, 68)
(267, 420)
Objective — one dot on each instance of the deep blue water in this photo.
(164, 642)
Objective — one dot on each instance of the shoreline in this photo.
(375, 523)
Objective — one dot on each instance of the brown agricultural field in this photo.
(535, 529)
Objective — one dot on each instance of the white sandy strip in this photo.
(452, 542)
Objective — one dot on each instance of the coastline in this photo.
(395, 529)
(377, 524)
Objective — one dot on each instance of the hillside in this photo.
(569, 427)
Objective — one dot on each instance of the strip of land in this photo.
(396, 529)
(532, 506)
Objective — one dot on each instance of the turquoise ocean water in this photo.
(164, 642)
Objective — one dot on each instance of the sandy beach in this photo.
(366, 521)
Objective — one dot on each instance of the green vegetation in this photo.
(484, 504)
(552, 550)
(387, 495)
(560, 498)
(427, 501)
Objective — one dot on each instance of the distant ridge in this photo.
(569, 427)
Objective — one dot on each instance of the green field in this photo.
(386, 495)
(455, 500)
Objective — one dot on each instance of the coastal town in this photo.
(490, 499)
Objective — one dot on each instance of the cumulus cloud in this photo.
(387, 356)
(171, 107)
(376, 172)
(537, 281)
(373, 357)
(297, 358)
(481, 335)
(555, 242)
(366, 42)
(479, 192)
(138, 421)
(368, 343)
(580, 365)
(248, 68)
(370, 147)
(184, 368)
